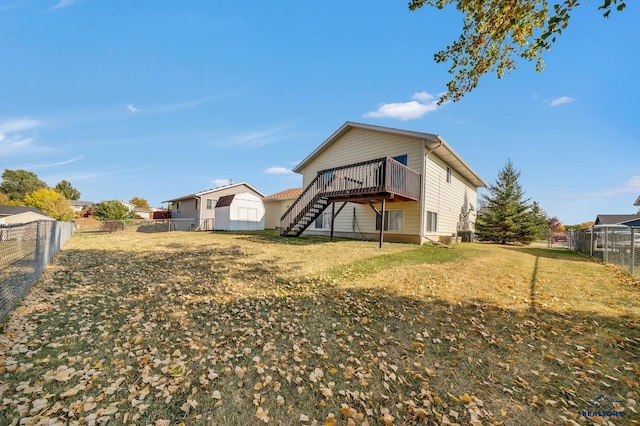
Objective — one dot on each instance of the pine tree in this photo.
(507, 216)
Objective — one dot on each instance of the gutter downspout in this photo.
(424, 188)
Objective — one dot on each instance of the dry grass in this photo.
(213, 328)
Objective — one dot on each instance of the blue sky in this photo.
(165, 98)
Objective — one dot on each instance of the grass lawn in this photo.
(248, 329)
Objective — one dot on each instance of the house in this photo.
(637, 203)
(369, 181)
(10, 215)
(197, 211)
(78, 205)
(276, 204)
(618, 219)
(239, 212)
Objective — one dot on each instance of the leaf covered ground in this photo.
(233, 329)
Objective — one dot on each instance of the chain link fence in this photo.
(147, 225)
(25, 251)
(619, 245)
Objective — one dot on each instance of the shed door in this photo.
(247, 218)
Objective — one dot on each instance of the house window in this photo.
(402, 159)
(209, 204)
(393, 220)
(432, 222)
(448, 175)
(178, 204)
(197, 203)
(323, 221)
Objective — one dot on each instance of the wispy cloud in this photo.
(422, 103)
(132, 108)
(13, 143)
(560, 101)
(19, 125)
(62, 4)
(220, 182)
(631, 186)
(256, 139)
(59, 163)
(277, 170)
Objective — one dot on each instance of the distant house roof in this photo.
(442, 149)
(284, 195)
(637, 203)
(225, 201)
(210, 191)
(80, 203)
(616, 219)
(13, 210)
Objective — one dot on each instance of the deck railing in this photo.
(379, 176)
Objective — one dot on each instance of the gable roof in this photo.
(13, 210)
(211, 191)
(435, 142)
(616, 219)
(637, 203)
(284, 195)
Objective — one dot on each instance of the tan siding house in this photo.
(443, 204)
(276, 204)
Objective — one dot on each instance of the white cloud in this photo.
(257, 138)
(59, 163)
(19, 125)
(561, 100)
(277, 170)
(631, 186)
(422, 104)
(132, 108)
(220, 182)
(62, 4)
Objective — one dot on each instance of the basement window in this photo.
(432, 222)
(323, 221)
(393, 220)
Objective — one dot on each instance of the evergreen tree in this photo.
(18, 183)
(67, 190)
(507, 216)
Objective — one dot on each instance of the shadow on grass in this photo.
(549, 253)
(379, 349)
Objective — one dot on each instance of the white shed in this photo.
(239, 212)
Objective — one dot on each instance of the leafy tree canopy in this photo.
(139, 202)
(495, 33)
(508, 218)
(18, 183)
(67, 190)
(51, 202)
(112, 210)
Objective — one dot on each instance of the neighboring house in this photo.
(197, 211)
(239, 212)
(143, 212)
(618, 219)
(10, 215)
(637, 203)
(367, 180)
(276, 205)
(78, 205)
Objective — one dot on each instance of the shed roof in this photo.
(13, 210)
(443, 150)
(225, 201)
(211, 191)
(284, 195)
(616, 219)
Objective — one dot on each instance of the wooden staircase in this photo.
(358, 182)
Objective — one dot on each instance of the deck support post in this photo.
(381, 223)
(333, 216)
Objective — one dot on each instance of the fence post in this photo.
(591, 243)
(633, 249)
